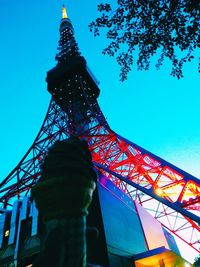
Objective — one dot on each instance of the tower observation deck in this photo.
(168, 193)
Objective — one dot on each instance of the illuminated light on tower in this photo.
(159, 192)
(64, 12)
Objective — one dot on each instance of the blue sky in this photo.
(152, 109)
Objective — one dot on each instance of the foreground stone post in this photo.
(63, 195)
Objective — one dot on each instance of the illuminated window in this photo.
(7, 232)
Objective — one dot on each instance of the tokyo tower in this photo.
(168, 193)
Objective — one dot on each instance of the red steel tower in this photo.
(171, 195)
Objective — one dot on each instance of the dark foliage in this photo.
(197, 262)
(169, 28)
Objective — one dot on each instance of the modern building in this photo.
(128, 234)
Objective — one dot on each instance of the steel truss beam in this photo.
(168, 193)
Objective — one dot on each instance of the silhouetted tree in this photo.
(170, 28)
(197, 262)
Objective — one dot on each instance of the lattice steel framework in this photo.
(171, 195)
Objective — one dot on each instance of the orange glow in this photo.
(175, 191)
(159, 192)
(168, 258)
(7, 232)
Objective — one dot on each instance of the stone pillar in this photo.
(63, 195)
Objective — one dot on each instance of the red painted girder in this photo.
(112, 149)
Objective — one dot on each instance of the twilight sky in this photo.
(152, 109)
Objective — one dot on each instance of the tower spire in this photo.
(67, 44)
(64, 12)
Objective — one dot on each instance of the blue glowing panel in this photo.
(123, 231)
(34, 215)
(2, 228)
(171, 242)
(13, 222)
(24, 208)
